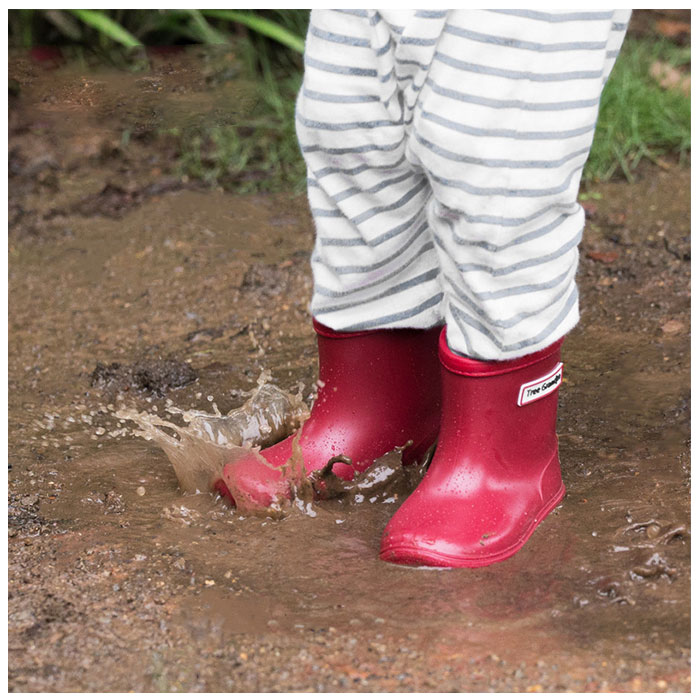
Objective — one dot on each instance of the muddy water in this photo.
(199, 444)
(119, 581)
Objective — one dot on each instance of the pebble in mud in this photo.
(140, 491)
(653, 531)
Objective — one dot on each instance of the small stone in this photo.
(672, 327)
(209, 582)
(140, 491)
(653, 531)
(602, 256)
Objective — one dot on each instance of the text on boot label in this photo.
(539, 388)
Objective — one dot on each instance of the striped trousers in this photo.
(444, 151)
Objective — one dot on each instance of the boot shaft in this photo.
(397, 368)
(506, 410)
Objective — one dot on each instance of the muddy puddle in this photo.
(119, 581)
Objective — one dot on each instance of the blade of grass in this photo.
(27, 17)
(107, 27)
(66, 24)
(261, 25)
(207, 33)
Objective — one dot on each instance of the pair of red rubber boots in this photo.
(495, 473)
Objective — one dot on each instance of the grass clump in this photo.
(638, 118)
(260, 151)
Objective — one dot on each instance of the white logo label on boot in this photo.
(539, 388)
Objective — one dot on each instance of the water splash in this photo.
(384, 481)
(199, 448)
(203, 443)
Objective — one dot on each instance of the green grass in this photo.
(104, 24)
(260, 151)
(131, 28)
(261, 25)
(638, 118)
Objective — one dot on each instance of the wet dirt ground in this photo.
(128, 285)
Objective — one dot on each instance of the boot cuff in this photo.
(480, 368)
(330, 333)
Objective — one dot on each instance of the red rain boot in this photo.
(495, 474)
(377, 390)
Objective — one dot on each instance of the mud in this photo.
(156, 376)
(118, 581)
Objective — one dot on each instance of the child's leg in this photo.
(503, 126)
(374, 262)
(375, 266)
(445, 150)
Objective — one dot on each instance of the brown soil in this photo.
(118, 582)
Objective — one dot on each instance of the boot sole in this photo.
(416, 556)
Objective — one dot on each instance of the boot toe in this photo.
(427, 532)
(423, 550)
(432, 546)
(251, 484)
(418, 550)
(257, 480)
